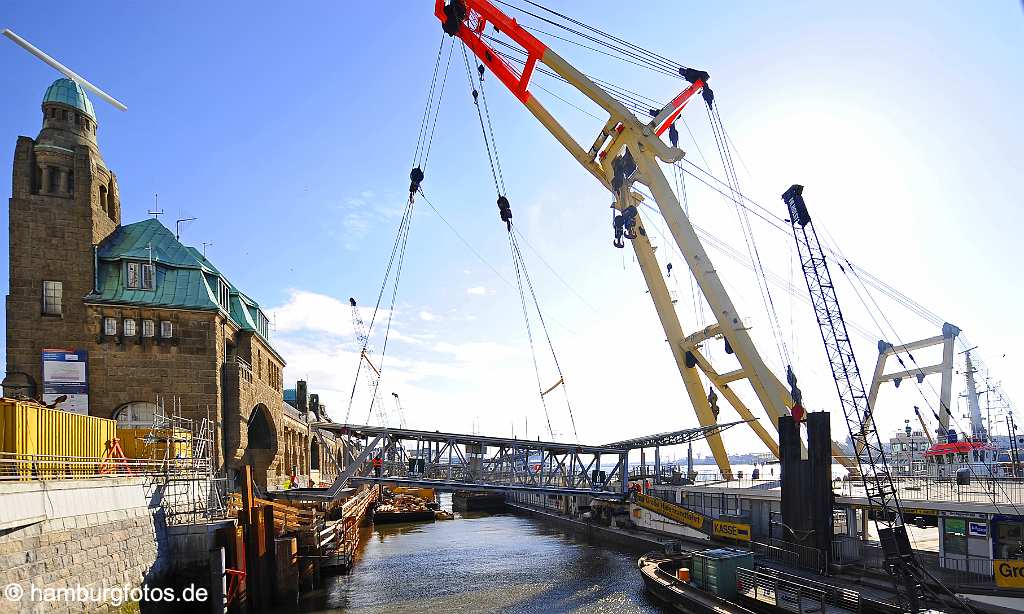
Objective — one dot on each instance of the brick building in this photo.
(154, 318)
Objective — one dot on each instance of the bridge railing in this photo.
(980, 490)
(31, 467)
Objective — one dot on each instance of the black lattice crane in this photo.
(878, 483)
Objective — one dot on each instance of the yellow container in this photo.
(145, 443)
(33, 432)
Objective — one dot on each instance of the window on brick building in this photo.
(148, 276)
(110, 326)
(262, 324)
(135, 415)
(140, 275)
(224, 295)
(166, 329)
(53, 295)
(132, 274)
(148, 328)
(129, 327)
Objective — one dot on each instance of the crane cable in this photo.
(637, 54)
(917, 385)
(421, 155)
(748, 232)
(432, 109)
(402, 227)
(519, 262)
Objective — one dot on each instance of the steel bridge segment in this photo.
(675, 437)
(453, 461)
(446, 486)
(337, 489)
(360, 430)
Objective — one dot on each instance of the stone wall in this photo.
(128, 369)
(120, 548)
(92, 534)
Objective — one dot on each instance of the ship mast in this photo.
(977, 424)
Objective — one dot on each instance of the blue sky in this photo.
(288, 130)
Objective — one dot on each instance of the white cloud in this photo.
(477, 290)
(427, 316)
(309, 311)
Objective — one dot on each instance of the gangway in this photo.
(454, 461)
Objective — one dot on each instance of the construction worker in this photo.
(377, 464)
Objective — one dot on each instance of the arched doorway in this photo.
(261, 446)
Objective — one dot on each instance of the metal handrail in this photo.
(30, 467)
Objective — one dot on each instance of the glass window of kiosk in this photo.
(954, 536)
(1009, 539)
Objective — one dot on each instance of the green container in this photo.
(714, 571)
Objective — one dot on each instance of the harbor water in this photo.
(484, 563)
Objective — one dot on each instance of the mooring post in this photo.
(657, 464)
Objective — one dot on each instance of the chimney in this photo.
(301, 398)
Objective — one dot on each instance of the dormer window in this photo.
(148, 276)
(224, 295)
(262, 324)
(140, 275)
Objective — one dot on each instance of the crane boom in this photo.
(625, 151)
(924, 426)
(878, 483)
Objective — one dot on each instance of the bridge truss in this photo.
(452, 461)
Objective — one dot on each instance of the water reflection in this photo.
(484, 563)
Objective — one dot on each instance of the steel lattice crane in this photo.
(400, 409)
(878, 483)
(373, 373)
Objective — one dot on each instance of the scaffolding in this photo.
(188, 486)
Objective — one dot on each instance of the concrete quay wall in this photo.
(66, 534)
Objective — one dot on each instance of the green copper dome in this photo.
(68, 92)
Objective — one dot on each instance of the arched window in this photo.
(136, 415)
(314, 455)
(110, 201)
(261, 431)
(103, 197)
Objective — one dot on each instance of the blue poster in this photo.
(66, 372)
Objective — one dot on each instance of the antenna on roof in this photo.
(205, 244)
(67, 72)
(177, 226)
(157, 211)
